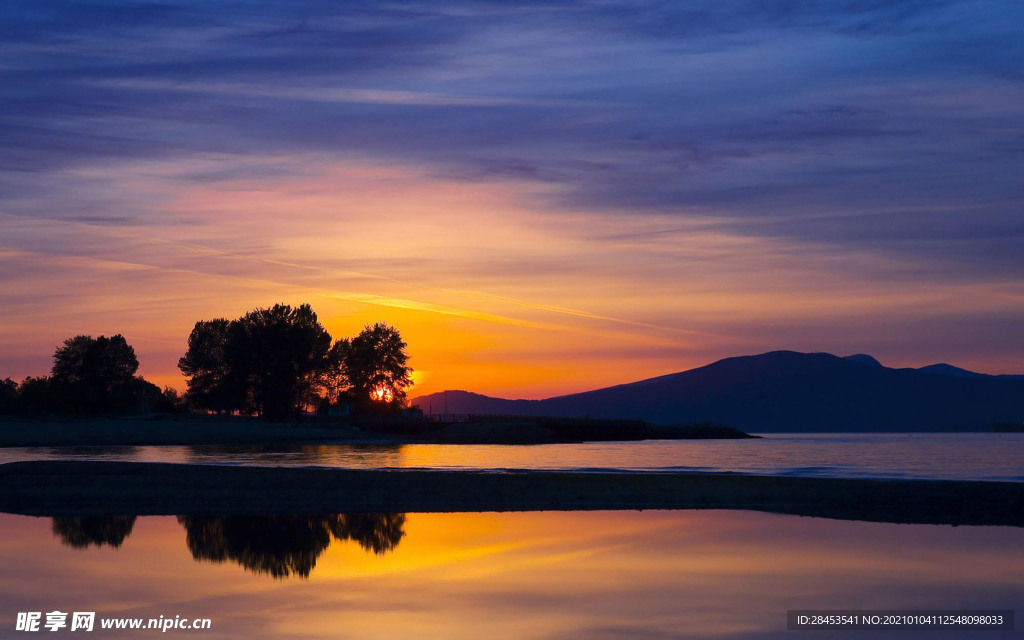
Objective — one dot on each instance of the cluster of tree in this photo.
(271, 362)
(89, 376)
(279, 361)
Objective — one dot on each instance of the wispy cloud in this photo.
(670, 162)
(293, 93)
(414, 305)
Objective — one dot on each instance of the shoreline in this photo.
(191, 430)
(89, 488)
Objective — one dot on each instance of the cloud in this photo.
(824, 131)
(416, 305)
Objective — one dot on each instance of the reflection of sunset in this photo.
(531, 575)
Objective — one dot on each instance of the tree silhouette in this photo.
(205, 365)
(83, 532)
(375, 366)
(103, 360)
(281, 351)
(277, 361)
(266, 362)
(8, 395)
(35, 395)
(97, 375)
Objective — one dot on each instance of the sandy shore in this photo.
(71, 488)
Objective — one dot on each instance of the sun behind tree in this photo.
(376, 368)
(279, 361)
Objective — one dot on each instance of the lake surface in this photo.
(963, 456)
(654, 574)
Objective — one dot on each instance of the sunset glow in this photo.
(542, 200)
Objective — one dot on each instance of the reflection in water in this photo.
(83, 532)
(275, 545)
(962, 456)
(279, 546)
(93, 451)
(285, 545)
(376, 532)
(524, 576)
(367, 456)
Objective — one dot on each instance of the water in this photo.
(660, 574)
(964, 456)
(623, 574)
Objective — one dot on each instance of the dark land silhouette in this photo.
(277, 363)
(89, 489)
(280, 364)
(90, 376)
(311, 430)
(783, 391)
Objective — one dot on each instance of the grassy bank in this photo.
(63, 488)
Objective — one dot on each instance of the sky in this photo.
(543, 197)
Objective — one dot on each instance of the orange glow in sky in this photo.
(491, 293)
(542, 200)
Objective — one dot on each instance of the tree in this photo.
(266, 362)
(96, 375)
(171, 401)
(281, 350)
(375, 366)
(8, 395)
(280, 360)
(205, 365)
(101, 360)
(35, 396)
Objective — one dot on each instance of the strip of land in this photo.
(206, 430)
(78, 488)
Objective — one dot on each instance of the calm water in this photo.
(660, 574)
(979, 456)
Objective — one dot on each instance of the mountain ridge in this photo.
(783, 391)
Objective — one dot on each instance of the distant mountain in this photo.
(462, 402)
(943, 369)
(783, 391)
(863, 358)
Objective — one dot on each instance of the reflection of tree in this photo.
(286, 545)
(376, 532)
(82, 532)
